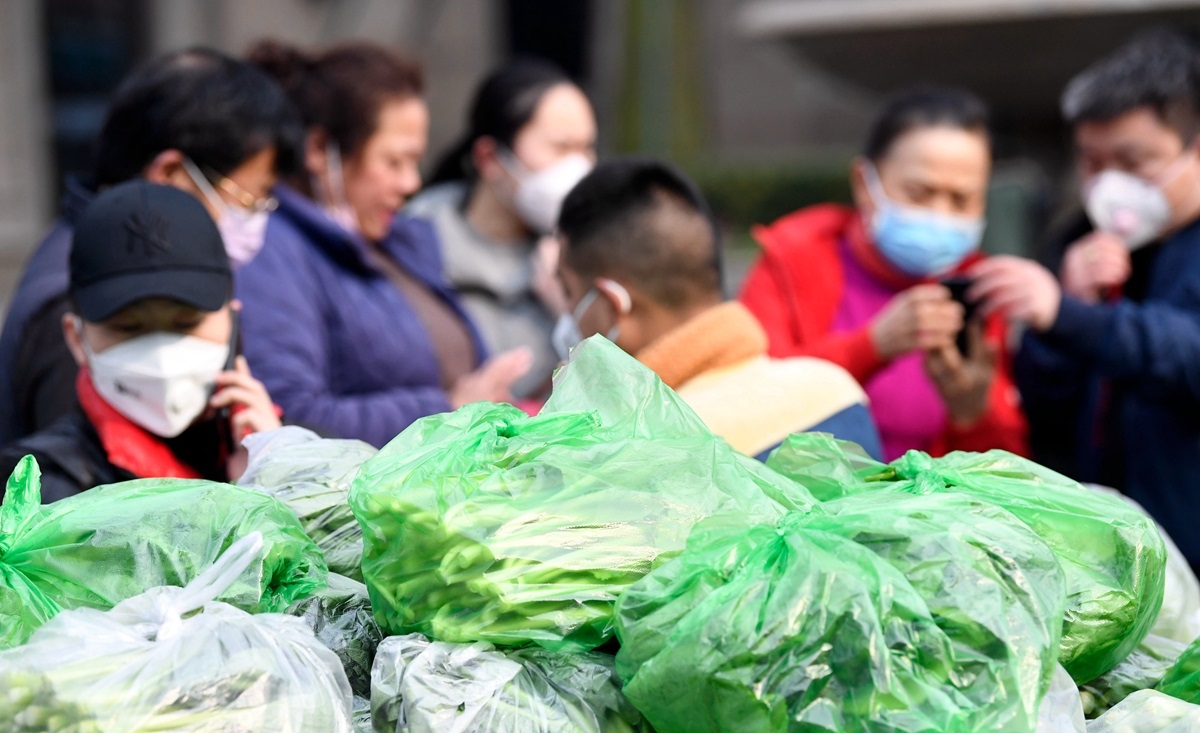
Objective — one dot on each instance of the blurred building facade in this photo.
(715, 84)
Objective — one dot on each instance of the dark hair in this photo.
(921, 107)
(503, 104)
(214, 109)
(1159, 70)
(643, 220)
(341, 90)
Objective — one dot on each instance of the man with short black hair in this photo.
(208, 124)
(641, 265)
(1110, 368)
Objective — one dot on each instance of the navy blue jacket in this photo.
(337, 345)
(37, 372)
(1130, 371)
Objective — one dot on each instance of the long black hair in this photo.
(504, 103)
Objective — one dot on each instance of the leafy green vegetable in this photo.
(312, 476)
(488, 525)
(340, 616)
(1111, 553)
(420, 686)
(111, 543)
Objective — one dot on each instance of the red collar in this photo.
(128, 445)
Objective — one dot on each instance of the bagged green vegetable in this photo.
(1112, 553)
(1182, 680)
(173, 660)
(991, 585)
(1143, 669)
(340, 616)
(1149, 711)
(793, 628)
(420, 686)
(312, 476)
(489, 525)
(111, 543)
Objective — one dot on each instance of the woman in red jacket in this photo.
(860, 287)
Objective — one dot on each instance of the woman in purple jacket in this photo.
(348, 319)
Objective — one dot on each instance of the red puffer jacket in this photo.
(795, 290)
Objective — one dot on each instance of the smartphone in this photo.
(958, 286)
(225, 414)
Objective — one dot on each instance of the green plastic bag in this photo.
(1112, 554)
(794, 628)
(312, 476)
(419, 686)
(489, 525)
(1182, 680)
(98, 548)
(340, 616)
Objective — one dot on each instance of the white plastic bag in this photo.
(1149, 711)
(1062, 708)
(312, 476)
(418, 686)
(173, 659)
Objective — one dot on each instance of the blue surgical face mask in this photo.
(567, 335)
(920, 242)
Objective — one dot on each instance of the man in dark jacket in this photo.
(162, 391)
(197, 120)
(1117, 343)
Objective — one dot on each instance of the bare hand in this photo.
(493, 381)
(253, 411)
(1096, 263)
(921, 318)
(964, 382)
(1021, 289)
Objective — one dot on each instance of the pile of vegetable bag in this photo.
(108, 544)
(418, 686)
(175, 660)
(489, 525)
(1112, 553)
(894, 613)
(312, 476)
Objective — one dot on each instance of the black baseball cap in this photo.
(141, 240)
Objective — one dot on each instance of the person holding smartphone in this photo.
(863, 286)
(162, 391)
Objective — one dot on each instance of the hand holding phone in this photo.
(958, 287)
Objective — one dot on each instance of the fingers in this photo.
(230, 396)
(509, 366)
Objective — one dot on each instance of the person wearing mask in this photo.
(532, 137)
(349, 320)
(198, 120)
(641, 265)
(151, 326)
(1113, 345)
(860, 286)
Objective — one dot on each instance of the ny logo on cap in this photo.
(147, 230)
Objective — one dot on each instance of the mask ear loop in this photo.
(203, 184)
(333, 169)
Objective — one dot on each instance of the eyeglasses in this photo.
(245, 199)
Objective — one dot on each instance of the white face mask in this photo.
(567, 335)
(1133, 209)
(161, 381)
(242, 231)
(540, 194)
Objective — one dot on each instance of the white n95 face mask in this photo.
(161, 381)
(1132, 208)
(540, 194)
